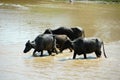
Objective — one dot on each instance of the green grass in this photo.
(107, 0)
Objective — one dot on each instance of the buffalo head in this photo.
(28, 46)
(67, 44)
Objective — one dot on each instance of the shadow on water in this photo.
(38, 55)
(88, 58)
(78, 58)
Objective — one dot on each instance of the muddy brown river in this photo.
(19, 23)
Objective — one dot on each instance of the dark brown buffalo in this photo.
(60, 40)
(72, 33)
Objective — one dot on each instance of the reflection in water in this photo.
(17, 25)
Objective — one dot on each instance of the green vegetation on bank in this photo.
(107, 0)
(89, 0)
(39, 1)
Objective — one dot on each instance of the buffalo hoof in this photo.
(52, 54)
(35, 55)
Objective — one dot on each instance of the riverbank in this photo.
(59, 1)
(99, 2)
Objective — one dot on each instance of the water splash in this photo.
(13, 6)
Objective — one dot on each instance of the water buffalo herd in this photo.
(65, 38)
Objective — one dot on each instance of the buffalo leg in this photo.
(49, 52)
(98, 53)
(34, 53)
(61, 50)
(56, 51)
(74, 55)
(70, 49)
(85, 57)
(41, 53)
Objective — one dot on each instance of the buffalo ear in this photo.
(28, 41)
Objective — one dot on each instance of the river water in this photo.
(19, 23)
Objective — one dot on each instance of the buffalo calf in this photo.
(60, 40)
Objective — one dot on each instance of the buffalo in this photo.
(85, 46)
(72, 33)
(42, 42)
(60, 40)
